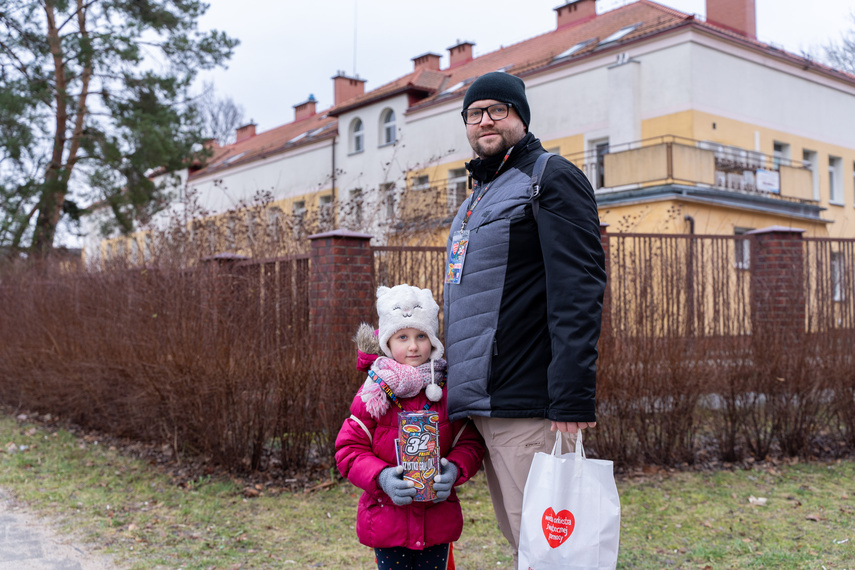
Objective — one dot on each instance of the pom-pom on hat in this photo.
(403, 307)
(500, 86)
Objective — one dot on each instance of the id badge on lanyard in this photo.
(460, 239)
(459, 243)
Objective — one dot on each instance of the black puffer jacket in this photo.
(523, 323)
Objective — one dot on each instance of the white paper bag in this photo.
(570, 513)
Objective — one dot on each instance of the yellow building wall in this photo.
(700, 126)
(668, 216)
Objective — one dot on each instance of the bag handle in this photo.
(579, 453)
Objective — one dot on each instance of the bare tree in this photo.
(841, 54)
(220, 116)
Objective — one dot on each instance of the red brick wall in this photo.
(341, 282)
(736, 15)
(777, 282)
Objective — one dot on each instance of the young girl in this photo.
(411, 377)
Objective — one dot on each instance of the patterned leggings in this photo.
(400, 558)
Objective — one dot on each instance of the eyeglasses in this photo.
(497, 112)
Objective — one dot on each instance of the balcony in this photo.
(656, 168)
(672, 160)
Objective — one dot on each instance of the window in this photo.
(251, 226)
(574, 49)
(357, 136)
(835, 180)
(213, 236)
(325, 210)
(355, 208)
(147, 252)
(274, 225)
(232, 237)
(299, 208)
(837, 276)
(388, 134)
(780, 154)
(619, 34)
(421, 182)
(742, 249)
(457, 188)
(810, 160)
(601, 149)
(388, 193)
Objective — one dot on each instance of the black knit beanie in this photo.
(500, 86)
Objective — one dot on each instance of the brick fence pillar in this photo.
(606, 329)
(340, 286)
(777, 284)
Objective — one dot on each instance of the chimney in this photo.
(426, 61)
(306, 109)
(460, 53)
(575, 12)
(736, 15)
(245, 132)
(347, 88)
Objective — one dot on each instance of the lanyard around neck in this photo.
(484, 187)
(389, 392)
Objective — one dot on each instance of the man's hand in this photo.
(572, 427)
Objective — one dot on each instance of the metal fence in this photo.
(277, 291)
(418, 266)
(679, 285)
(829, 284)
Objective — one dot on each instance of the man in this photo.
(523, 295)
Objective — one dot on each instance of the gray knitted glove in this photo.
(443, 482)
(392, 482)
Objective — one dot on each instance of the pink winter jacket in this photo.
(379, 522)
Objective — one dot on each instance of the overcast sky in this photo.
(292, 48)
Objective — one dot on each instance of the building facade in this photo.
(682, 125)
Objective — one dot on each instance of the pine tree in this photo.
(94, 96)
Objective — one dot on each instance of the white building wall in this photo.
(305, 170)
(771, 94)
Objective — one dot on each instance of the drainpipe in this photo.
(332, 178)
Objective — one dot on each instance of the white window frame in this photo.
(388, 132)
(835, 180)
(357, 136)
(457, 189)
(387, 190)
(421, 182)
(780, 154)
(357, 200)
(596, 146)
(810, 160)
(742, 249)
(837, 268)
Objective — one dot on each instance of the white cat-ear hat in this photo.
(403, 307)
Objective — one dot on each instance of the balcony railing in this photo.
(639, 165)
(677, 160)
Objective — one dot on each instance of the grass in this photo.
(669, 520)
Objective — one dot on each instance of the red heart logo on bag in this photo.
(557, 527)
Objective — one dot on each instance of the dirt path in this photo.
(29, 542)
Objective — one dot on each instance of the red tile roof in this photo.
(268, 143)
(429, 86)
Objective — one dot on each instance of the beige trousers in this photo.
(511, 445)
